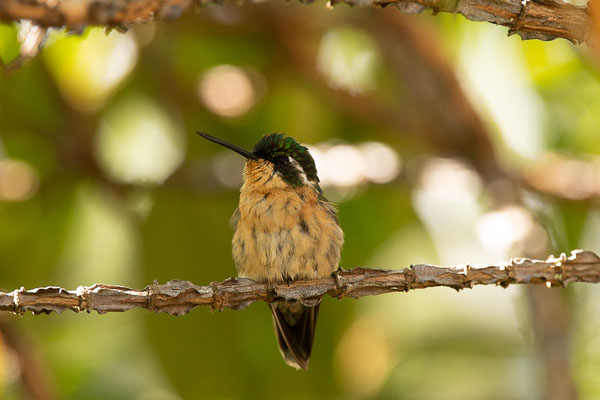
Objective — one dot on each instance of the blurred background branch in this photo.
(26, 363)
(543, 20)
(180, 297)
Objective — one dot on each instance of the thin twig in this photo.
(178, 297)
(32, 38)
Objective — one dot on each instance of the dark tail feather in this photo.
(295, 330)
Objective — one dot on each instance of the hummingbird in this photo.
(284, 230)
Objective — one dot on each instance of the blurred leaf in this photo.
(9, 44)
(138, 142)
(88, 67)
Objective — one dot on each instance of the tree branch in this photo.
(542, 19)
(575, 179)
(178, 297)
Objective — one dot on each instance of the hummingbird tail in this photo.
(295, 330)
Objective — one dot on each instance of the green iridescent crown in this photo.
(278, 148)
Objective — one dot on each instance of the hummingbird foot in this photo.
(271, 292)
(288, 280)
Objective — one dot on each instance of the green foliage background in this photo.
(84, 225)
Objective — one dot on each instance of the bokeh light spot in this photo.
(138, 143)
(446, 200)
(364, 357)
(347, 57)
(346, 165)
(18, 180)
(381, 163)
(227, 90)
(342, 166)
(499, 230)
(448, 179)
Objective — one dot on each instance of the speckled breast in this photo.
(285, 234)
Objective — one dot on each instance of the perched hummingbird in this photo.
(284, 230)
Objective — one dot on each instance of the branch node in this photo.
(559, 274)
(409, 277)
(16, 301)
(563, 258)
(81, 293)
(506, 282)
(217, 298)
(469, 280)
(151, 290)
(340, 288)
(558, 278)
(517, 23)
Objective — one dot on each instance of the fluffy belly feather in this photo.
(286, 235)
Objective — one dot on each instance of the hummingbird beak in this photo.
(248, 154)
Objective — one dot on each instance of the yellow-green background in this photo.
(86, 222)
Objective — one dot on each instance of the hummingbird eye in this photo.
(281, 160)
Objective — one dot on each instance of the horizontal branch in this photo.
(178, 297)
(542, 19)
(530, 19)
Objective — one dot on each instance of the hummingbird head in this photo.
(280, 155)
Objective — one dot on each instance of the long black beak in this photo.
(239, 150)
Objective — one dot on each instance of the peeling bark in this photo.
(179, 297)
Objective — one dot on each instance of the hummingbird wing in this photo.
(330, 208)
(295, 330)
(233, 221)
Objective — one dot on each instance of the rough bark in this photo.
(544, 20)
(178, 297)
